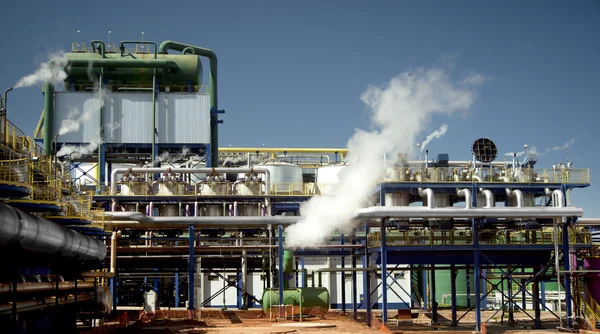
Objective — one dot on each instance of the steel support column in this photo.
(434, 303)
(280, 261)
(177, 289)
(367, 278)
(477, 275)
(191, 270)
(383, 250)
(354, 276)
(567, 277)
(343, 278)
(535, 289)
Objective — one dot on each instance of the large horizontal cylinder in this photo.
(36, 287)
(133, 72)
(313, 300)
(41, 235)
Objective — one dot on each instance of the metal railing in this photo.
(499, 175)
(589, 308)
(46, 191)
(78, 207)
(433, 237)
(15, 172)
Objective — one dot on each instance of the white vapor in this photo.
(75, 152)
(401, 110)
(73, 121)
(52, 72)
(533, 150)
(434, 135)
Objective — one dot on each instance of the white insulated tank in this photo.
(397, 199)
(328, 177)
(528, 200)
(284, 179)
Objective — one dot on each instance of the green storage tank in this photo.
(189, 71)
(443, 287)
(314, 300)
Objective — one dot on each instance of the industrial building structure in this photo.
(190, 225)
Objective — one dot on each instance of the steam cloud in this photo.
(52, 72)
(75, 152)
(73, 121)
(434, 135)
(533, 149)
(400, 111)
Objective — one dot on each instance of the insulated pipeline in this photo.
(41, 235)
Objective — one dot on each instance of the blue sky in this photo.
(291, 73)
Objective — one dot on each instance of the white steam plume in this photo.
(52, 72)
(400, 111)
(166, 157)
(73, 121)
(434, 135)
(75, 152)
(533, 149)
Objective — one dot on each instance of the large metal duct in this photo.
(41, 235)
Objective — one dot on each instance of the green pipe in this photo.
(125, 63)
(214, 93)
(101, 118)
(320, 280)
(102, 46)
(188, 50)
(154, 118)
(136, 42)
(301, 297)
(48, 116)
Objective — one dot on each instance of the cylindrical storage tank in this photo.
(248, 210)
(314, 300)
(288, 261)
(592, 280)
(528, 200)
(284, 178)
(212, 210)
(440, 200)
(443, 288)
(189, 71)
(397, 199)
(248, 189)
(134, 208)
(328, 178)
(214, 189)
(168, 210)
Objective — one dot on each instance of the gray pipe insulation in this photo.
(41, 235)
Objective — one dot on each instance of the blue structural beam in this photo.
(343, 278)
(367, 280)
(354, 276)
(384, 299)
(191, 271)
(567, 277)
(280, 261)
(177, 289)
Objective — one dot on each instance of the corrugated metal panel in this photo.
(78, 115)
(128, 118)
(183, 118)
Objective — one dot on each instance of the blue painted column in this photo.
(367, 278)
(240, 303)
(280, 260)
(156, 285)
(543, 290)
(567, 278)
(477, 275)
(101, 165)
(434, 302)
(383, 250)
(354, 276)
(303, 273)
(191, 270)
(177, 289)
(424, 287)
(343, 279)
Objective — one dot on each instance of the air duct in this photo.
(41, 235)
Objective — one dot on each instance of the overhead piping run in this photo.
(214, 92)
(466, 193)
(40, 235)
(518, 194)
(558, 197)
(117, 171)
(374, 212)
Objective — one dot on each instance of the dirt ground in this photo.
(215, 321)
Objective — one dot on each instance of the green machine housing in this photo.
(187, 74)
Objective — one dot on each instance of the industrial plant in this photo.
(123, 201)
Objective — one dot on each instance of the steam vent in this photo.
(122, 210)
